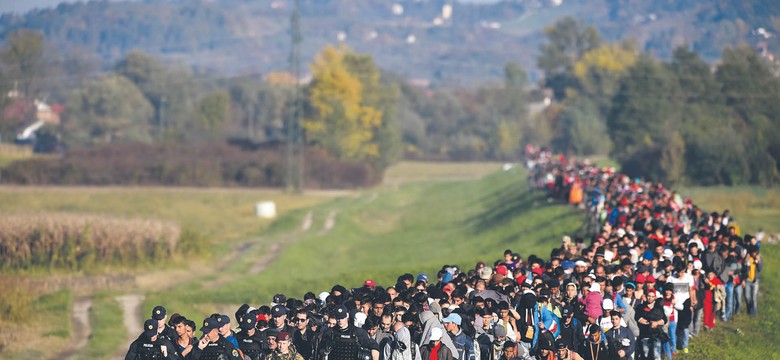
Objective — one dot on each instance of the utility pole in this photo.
(294, 151)
(161, 121)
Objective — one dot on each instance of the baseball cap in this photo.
(607, 304)
(566, 311)
(595, 287)
(640, 278)
(341, 312)
(209, 324)
(278, 310)
(436, 334)
(668, 253)
(422, 277)
(369, 283)
(560, 344)
(453, 318)
(697, 264)
(158, 313)
(222, 320)
(248, 322)
(150, 327)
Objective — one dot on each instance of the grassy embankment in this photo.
(387, 231)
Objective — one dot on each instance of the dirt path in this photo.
(81, 328)
(131, 317)
(330, 223)
(131, 303)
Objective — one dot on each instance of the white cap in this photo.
(608, 255)
(435, 335)
(360, 319)
(323, 296)
(668, 253)
(594, 286)
(580, 263)
(607, 304)
(697, 264)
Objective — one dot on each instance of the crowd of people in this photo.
(656, 272)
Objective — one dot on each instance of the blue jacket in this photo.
(464, 345)
(545, 316)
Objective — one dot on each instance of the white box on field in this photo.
(265, 209)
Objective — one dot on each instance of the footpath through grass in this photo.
(382, 233)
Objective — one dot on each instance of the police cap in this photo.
(158, 313)
(150, 327)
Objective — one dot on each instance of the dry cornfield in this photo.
(76, 242)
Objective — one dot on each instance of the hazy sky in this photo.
(22, 6)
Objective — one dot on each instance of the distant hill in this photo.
(414, 38)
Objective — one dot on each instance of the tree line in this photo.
(681, 121)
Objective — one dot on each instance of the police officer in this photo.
(345, 341)
(160, 315)
(250, 342)
(212, 346)
(279, 320)
(150, 345)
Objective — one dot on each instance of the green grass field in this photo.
(753, 208)
(425, 216)
(385, 232)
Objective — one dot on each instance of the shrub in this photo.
(205, 164)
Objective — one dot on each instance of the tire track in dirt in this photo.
(131, 315)
(81, 328)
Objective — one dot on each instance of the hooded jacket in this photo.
(401, 348)
(429, 322)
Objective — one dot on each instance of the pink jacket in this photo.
(593, 304)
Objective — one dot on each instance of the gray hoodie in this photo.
(392, 350)
(429, 322)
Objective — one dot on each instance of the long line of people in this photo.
(655, 273)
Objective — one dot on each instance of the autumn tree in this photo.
(340, 120)
(567, 41)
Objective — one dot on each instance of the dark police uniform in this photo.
(252, 346)
(349, 344)
(143, 348)
(222, 349)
